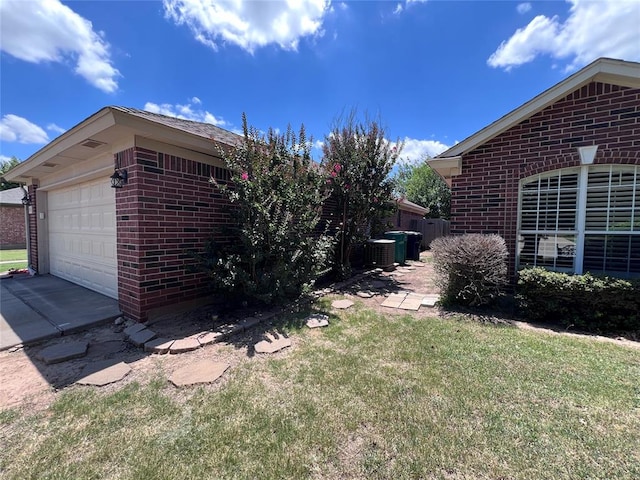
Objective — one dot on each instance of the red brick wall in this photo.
(402, 219)
(167, 208)
(485, 195)
(12, 228)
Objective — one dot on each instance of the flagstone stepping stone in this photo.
(413, 301)
(396, 274)
(207, 338)
(158, 345)
(203, 371)
(364, 294)
(342, 304)
(394, 300)
(273, 343)
(184, 345)
(430, 300)
(104, 373)
(63, 352)
(132, 329)
(142, 337)
(318, 320)
(417, 264)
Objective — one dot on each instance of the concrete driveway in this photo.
(40, 307)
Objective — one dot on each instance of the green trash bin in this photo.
(401, 245)
(413, 245)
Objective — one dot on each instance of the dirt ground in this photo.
(27, 382)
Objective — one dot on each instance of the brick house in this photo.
(128, 243)
(559, 177)
(12, 219)
(408, 214)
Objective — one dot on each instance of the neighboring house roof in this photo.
(605, 70)
(406, 205)
(105, 129)
(13, 196)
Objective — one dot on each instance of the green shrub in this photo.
(277, 193)
(470, 269)
(598, 304)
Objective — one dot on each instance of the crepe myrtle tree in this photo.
(276, 193)
(357, 159)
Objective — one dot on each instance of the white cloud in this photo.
(52, 127)
(47, 31)
(407, 4)
(249, 24)
(523, 8)
(606, 28)
(186, 112)
(4, 159)
(417, 150)
(18, 129)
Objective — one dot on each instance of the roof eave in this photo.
(84, 130)
(447, 167)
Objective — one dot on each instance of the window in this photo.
(582, 219)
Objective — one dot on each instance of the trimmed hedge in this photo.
(597, 304)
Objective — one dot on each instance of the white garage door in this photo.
(82, 236)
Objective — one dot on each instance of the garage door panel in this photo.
(82, 236)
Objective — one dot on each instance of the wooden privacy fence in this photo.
(431, 228)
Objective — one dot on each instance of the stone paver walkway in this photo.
(410, 300)
(207, 371)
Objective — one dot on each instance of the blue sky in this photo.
(435, 72)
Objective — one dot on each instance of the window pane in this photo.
(552, 251)
(610, 199)
(617, 255)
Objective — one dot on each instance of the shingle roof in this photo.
(13, 196)
(201, 129)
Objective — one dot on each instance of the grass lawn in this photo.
(20, 257)
(12, 266)
(369, 397)
(7, 255)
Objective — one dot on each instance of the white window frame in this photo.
(581, 210)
